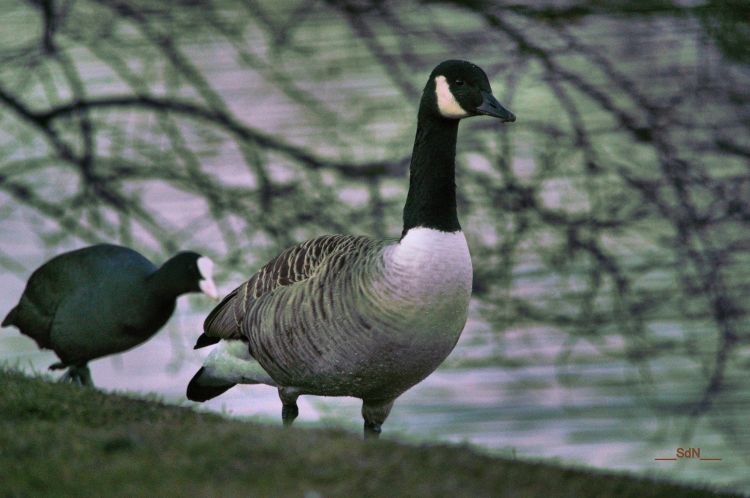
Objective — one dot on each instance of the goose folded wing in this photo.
(292, 265)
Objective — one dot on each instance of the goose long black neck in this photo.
(431, 202)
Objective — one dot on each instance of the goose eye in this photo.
(459, 82)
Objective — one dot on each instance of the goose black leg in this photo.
(289, 413)
(372, 430)
(289, 409)
(375, 412)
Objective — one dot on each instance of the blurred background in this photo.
(609, 226)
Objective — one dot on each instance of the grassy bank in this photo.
(62, 440)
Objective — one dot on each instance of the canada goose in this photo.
(344, 315)
(101, 300)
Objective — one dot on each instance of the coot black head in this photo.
(190, 272)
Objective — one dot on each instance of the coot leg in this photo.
(78, 374)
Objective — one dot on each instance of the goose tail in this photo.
(227, 365)
(203, 386)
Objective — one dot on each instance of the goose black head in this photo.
(191, 272)
(459, 89)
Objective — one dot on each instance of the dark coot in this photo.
(103, 299)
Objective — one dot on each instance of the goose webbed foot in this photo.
(372, 431)
(289, 409)
(375, 412)
(77, 374)
(289, 413)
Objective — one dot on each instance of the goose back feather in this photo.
(292, 265)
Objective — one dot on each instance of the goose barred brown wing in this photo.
(292, 265)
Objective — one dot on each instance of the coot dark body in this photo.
(103, 299)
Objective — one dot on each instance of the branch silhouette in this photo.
(615, 205)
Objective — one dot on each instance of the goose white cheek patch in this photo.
(447, 103)
(206, 284)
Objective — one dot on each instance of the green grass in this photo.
(63, 440)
